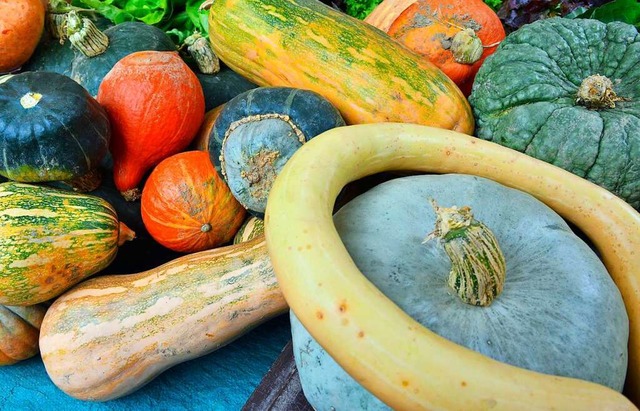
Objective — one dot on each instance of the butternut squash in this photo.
(401, 362)
(110, 335)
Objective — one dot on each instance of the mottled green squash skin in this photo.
(559, 313)
(524, 97)
(362, 71)
(50, 240)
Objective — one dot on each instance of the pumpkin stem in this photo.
(478, 268)
(87, 182)
(85, 36)
(132, 194)
(466, 47)
(125, 234)
(200, 49)
(596, 92)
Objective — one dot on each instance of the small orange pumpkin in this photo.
(19, 332)
(155, 104)
(455, 35)
(21, 26)
(187, 207)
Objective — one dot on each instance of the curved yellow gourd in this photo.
(400, 361)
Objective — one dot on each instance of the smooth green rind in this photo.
(524, 97)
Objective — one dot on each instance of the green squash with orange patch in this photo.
(52, 239)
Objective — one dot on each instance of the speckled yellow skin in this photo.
(397, 359)
(110, 335)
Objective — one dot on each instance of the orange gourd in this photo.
(187, 207)
(21, 26)
(455, 35)
(155, 104)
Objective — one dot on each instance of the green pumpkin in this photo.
(53, 130)
(222, 86)
(258, 131)
(559, 311)
(123, 39)
(567, 92)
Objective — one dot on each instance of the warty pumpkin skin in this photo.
(110, 335)
(156, 106)
(559, 311)
(526, 97)
(21, 26)
(53, 130)
(19, 332)
(398, 360)
(364, 73)
(52, 239)
(187, 207)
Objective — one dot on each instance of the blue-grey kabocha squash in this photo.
(567, 92)
(258, 131)
(51, 129)
(485, 266)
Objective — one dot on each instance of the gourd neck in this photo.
(596, 92)
(85, 36)
(200, 50)
(478, 267)
(125, 234)
(466, 47)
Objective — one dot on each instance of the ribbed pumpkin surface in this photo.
(51, 239)
(367, 75)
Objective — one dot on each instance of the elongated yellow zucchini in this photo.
(400, 361)
(110, 335)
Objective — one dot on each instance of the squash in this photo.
(398, 360)
(386, 12)
(53, 130)
(21, 26)
(251, 228)
(363, 72)
(155, 104)
(455, 35)
(19, 332)
(187, 207)
(566, 92)
(457, 286)
(201, 140)
(258, 131)
(222, 86)
(110, 335)
(123, 39)
(52, 239)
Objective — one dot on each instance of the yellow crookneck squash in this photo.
(401, 362)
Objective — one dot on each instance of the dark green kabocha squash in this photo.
(567, 92)
(258, 131)
(222, 86)
(122, 40)
(51, 129)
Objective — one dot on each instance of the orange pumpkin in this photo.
(455, 35)
(21, 26)
(201, 141)
(155, 104)
(187, 207)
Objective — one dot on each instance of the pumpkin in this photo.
(53, 130)
(360, 70)
(222, 86)
(400, 361)
(187, 207)
(201, 140)
(460, 289)
(258, 131)
(155, 104)
(123, 39)
(566, 92)
(455, 35)
(21, 26)
(52, 239)
(19, 332)
(110, 335)
(251, 228)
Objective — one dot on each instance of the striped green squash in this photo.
(52, 239)
(250, 229)
(362, 71)
(110, 335)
